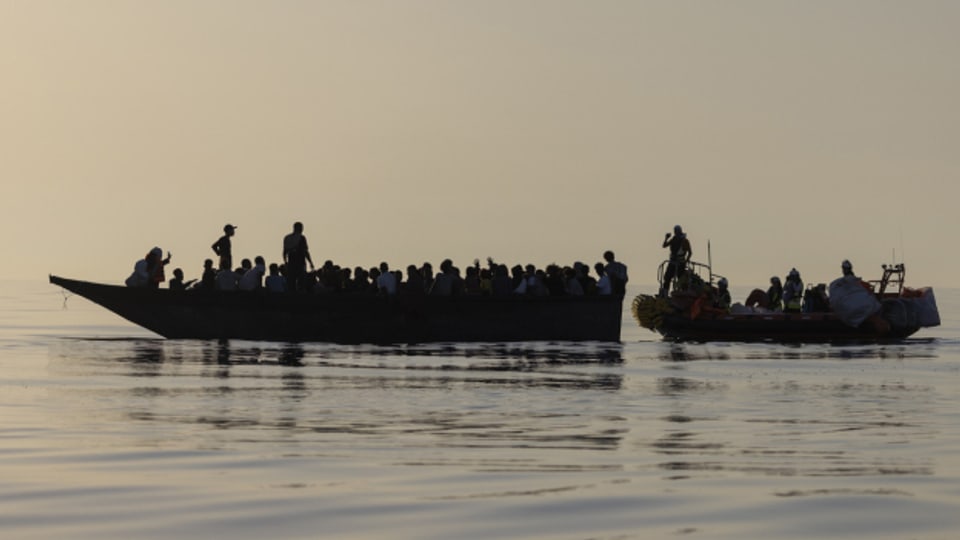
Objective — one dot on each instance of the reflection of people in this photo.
(296, 255)
(223, 248)
(680, 253)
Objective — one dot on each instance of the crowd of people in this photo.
(788, 296)
(297, 273)
(792, 297)
(292, 275)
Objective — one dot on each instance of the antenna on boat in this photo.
(710, 261)
(901, 247)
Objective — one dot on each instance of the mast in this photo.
(710, 261)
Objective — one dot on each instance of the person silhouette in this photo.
(296, 255)
(680, 252)
(617, 272)
(223, 248)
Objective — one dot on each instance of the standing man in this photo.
(296, 255)
(680, 253)
(616, 272)
(223, 248)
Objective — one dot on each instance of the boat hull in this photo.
(356, 318)
(776, 327)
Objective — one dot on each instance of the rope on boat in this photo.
(66, 296)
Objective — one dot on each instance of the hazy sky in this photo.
(785, 133)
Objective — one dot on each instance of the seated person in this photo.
(721, 297)
(226, 279)
(275, 282)
(252, 279)
(815, 299)
(177, 284)
(771, 300)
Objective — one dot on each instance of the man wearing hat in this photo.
(222, 247)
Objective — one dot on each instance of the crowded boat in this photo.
(292, 275)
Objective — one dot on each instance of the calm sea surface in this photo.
(109, 432)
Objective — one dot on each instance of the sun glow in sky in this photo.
(787, 134)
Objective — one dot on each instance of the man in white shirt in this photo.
(387, 280)
(604, 287)
(252, 279)
(617, 272)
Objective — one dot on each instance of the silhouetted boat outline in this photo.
(356, 318)
(776, 327)
(679, 322)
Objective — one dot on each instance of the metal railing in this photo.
(693, 267)
(893, 274)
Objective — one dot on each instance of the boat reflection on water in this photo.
(148, 351)
(291, 355)
(685, 413)
(543, 363)
(676, 386)
(688, 352)
(341, 399)
(477, 356)
(711, 430)
(758, 409)
(678, 352)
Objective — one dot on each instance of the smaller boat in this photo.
(874, 311)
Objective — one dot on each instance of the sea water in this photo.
(110, 432)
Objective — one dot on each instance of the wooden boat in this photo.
(356, 318)
(687, 316)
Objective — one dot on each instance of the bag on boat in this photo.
(926, 305)
(852, 302)
(139, 277)
(901, 312)
(916, 308)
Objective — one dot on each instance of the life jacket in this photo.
(793, 295)
(679, 248)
